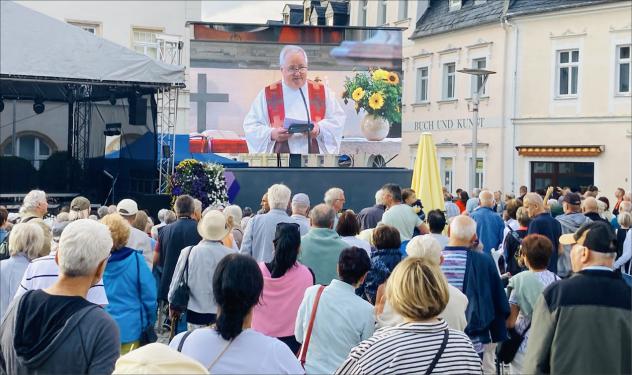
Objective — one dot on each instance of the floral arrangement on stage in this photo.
(378, 92)
(203, 181)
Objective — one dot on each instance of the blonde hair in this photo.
(141, 220)
(624, 219)
(417, 289)
(119, 229)
(27, 238)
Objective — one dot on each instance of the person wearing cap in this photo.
(157, 358)
(202, 260)
(79, 208)
(259, 233)
(571, 221)
(583, 324)
(56, 330)
(300, 211)
(543, 223)
(138, 240)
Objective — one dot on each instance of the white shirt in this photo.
(43, 272)
(626, 254)
(357, 242)
(257, 123)
(11, 272)
(139, 240)
(250, 353)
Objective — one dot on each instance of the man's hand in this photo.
(315, 130)
(279, 135)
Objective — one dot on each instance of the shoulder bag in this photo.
(147, 333)
(302, 356)
(180, 298)
(506, 350)
(437, 357)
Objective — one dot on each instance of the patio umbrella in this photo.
(426, 177)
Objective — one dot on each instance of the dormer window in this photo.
(455, 5)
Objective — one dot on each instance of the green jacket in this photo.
(582, 325)
(320, 249)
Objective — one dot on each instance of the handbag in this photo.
(302, 356)
(506, 350)
(180, 298)
(435, 360)
(147, 333)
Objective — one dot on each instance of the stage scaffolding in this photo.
(82, 122)
(170, 52)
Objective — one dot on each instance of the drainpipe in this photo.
(514, 78)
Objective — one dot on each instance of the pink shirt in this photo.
(275, 314)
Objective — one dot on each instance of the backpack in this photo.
(4, 248)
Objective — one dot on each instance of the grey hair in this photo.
(426, 247)
(463, 228)
(288, 50)
(624, 219)
(332, 194)
(233, 211)
(76, 215)
(534, 198)
(279, 196)
(33, 199)
(162, 214)
(625, 206)
(83, 244)
(322, 216)
(27, 238)
(197, 204)
(486, 198)
(102, 211)
(379, 197)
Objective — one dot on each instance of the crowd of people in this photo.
(538, 282)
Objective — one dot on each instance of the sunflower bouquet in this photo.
(378, 92)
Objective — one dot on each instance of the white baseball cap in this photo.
(127, 207)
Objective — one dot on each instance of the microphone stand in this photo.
(309, 122)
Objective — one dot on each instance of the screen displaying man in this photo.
(287, 102)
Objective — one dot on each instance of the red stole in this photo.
(276, 110)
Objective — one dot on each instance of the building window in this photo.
(479, 177)
(286, 19)
(381, 12)
(624, 69)
(575, 175)
(477, 81)
(330, 20)
(567, 72)
(363, 11)
(455, 5)
(144, 41)
(422, 84)
(446, 166)
(30, 147)
(403, 9)
(449, 81)
(91, 27)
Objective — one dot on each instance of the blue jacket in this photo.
(487, 306)
(489, 228)
(383, 262)
(121, 282)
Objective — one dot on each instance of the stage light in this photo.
(1, 105)
(38, 106)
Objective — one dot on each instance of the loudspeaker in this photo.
(295, 161)
(137, 110)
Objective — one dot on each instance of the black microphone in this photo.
(305, 103)
(309, 123)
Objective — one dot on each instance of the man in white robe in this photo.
(262, 136)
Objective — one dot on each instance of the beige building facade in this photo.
(557, 110)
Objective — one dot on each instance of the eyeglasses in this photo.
(297, 69)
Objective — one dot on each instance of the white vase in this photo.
(374, 128)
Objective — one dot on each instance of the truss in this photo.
(82, 122)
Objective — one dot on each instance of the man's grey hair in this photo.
(27, 238)
(486, 198)
(102, 211)
(279, 196)
(590, 205)
(33, 199)
(379, 197)
(462, 228)
(322, 216)
(162, 214)
(534, 198)
(476, 192)
(197, 204)
(82, 246)
(290, 50)
(332, 194)
(184, 205)
(233, 211)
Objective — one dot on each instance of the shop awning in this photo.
(561, 151)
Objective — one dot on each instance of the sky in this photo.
(251, 11)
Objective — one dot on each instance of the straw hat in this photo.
(157, 359)
(213, 226)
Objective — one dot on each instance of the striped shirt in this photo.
(410, 348)
(453, 267)
(43, 272)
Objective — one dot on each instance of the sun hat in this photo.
(213, 226)
(127, 207)
(157, 358)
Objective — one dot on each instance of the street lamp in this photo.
(476, 95)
